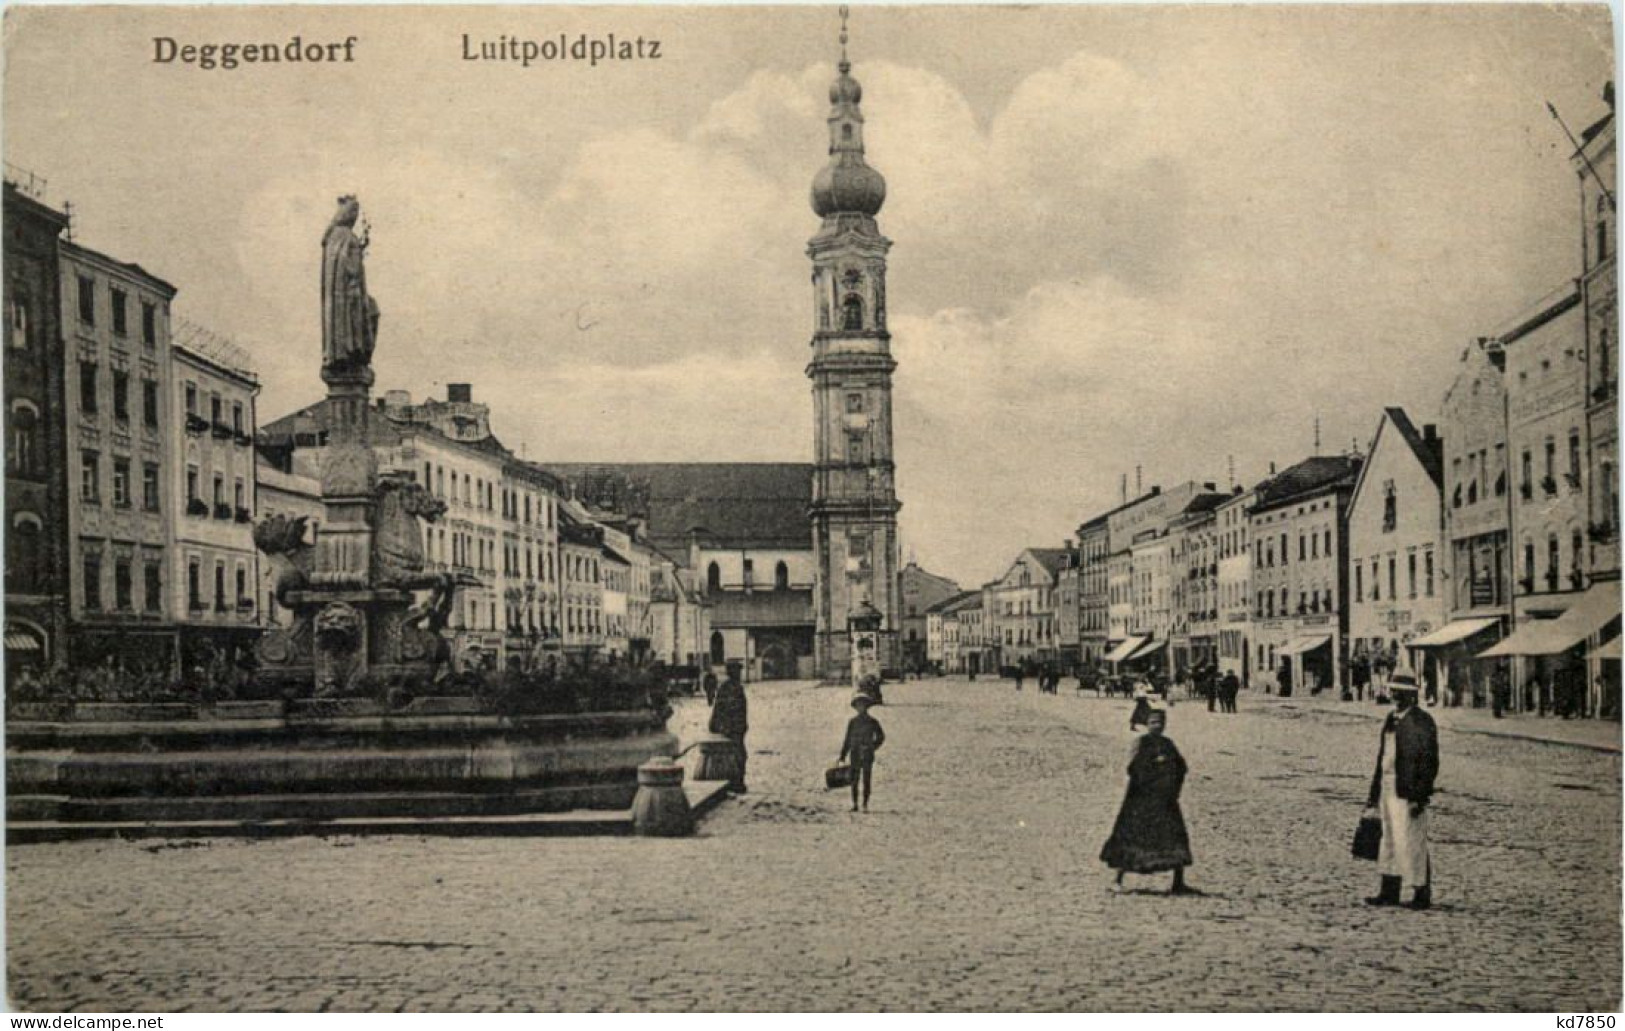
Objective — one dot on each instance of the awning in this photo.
(1595, 609)
(1452, 632)
(1150, 648)
(20, 642)
(1608, 651)
(1299, 645)
(1129, 646)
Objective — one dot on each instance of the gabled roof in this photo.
(1312, 476)
(1052, 559)
(1430, 455)
(727, 504)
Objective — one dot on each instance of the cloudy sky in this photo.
(1123, 236)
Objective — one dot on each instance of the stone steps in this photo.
(703, 796)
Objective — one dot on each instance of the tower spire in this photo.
(845, 65)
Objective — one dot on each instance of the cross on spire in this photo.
(846, 65)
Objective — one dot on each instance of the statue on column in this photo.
(349, 314)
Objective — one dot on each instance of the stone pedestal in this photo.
(719, 759)
(661, 808)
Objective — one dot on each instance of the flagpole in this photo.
(1581, 151)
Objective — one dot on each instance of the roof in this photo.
(958, 603)
(130, 268)
(1052, 559)
(728, 504)
(1430, 454)
(1315, 475)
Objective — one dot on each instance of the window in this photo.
(121, 482)
(1553, 560)
(191, 399)
(1283, 549)
(1393, 582)
(123, 586)
(855, 450)
(1376, 583)
(149, 486)
(1410, 566)
(237, 416)
(750, 572)
(854, 402)
(1328, 551)
(219, 586)
(87, 300)
(781, 577)
(121, 324)
(852, 313)
(194, 586)
(192, 483)
(1359, 584)
(242, 586)
(23, 565)
(1574, 459)
(241, 496)
(149, 403)
(149, 323)
(24, 439)
(18, 323)
(121, 395)
(90, 475)
(1551, 459)
(1427, 568)
(219, 489)
(1604, 361)
(216, 410)
(93, 581)
(713, 577)
(87, 387)
(154, 588)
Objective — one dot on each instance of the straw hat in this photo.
(1401, 681)
(861, 699)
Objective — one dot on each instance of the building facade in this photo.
(854, 505)
(120, 448)
(918, 590)
(1477, 565)
(37, 489)
(1093, 591)
(1396, 540)
(1300, 566)
(215, 574)
(1596, 167)
(1235, 584)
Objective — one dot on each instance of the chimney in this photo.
(462, 393)
(1272, 468)
(1430, 432)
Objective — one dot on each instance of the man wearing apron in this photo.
(1401, 788)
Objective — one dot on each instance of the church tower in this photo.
(854, 498)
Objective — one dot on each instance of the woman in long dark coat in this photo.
(1150, 836)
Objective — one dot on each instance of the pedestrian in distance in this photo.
(709, 683)
(730, 718)
(1149, 835)
(1401, 789)
(1229, 689)
(864, 736)
(1142, 706)
(1021, 674)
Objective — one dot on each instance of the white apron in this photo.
(1404, 849)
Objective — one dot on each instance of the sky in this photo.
(1157, 238)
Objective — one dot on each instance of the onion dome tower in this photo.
(854, 498)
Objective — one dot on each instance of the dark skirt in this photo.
(1149, 836)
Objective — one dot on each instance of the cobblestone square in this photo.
(972, 884)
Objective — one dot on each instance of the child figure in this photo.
(863, 738)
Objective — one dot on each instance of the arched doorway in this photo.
(717, 654)
(778, 663)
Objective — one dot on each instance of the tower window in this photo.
(852, 312)
(854, 402)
